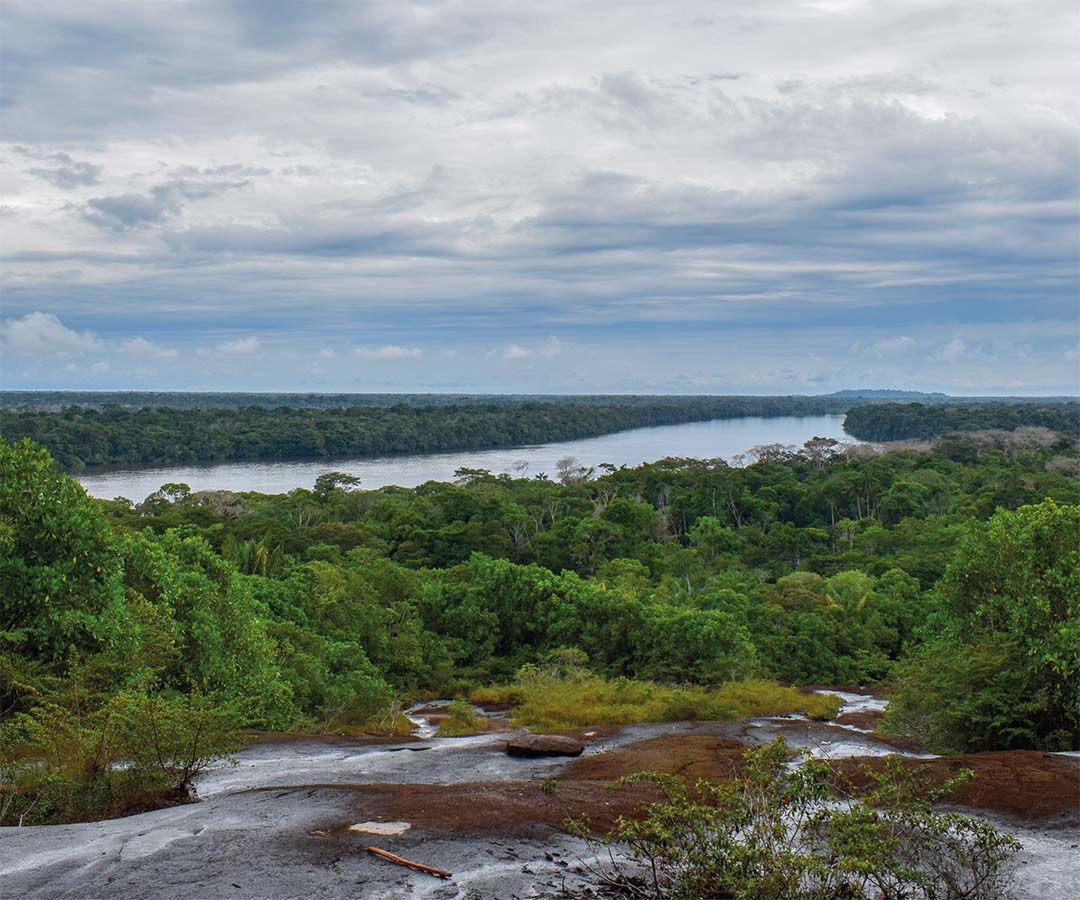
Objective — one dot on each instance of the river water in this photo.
(724, 438)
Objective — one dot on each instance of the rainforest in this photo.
(142, 642)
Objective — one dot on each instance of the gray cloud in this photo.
(69, 177)
(62, 171)
(625, 177)
(126, 212)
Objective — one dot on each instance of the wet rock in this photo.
(544, 745)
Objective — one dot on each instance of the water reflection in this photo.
(725, 438)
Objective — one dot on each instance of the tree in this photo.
(1000, 667)
(818, 450)
(570, 471)
(329, 482)
(62, 594)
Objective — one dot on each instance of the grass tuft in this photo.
(558, 704)
(463, 719)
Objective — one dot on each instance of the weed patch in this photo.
(463, 719)
(546, 703)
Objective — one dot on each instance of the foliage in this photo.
(323, 609)
(1002, 667)
(62, 595)
(921, 421)
(178, 736)
(72, 759)
(778, 831)
(81, 435)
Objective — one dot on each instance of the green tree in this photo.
(1001, 664)
(63, 595)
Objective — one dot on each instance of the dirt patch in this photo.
(898, 742)
(504, 807)
(867, 719)
(590, 733)
(495, 707)
(690, 756)
(1023, 784)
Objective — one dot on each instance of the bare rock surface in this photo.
(276, 825)
(544, 745)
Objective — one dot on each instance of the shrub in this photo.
(778, 831)
(72, 762)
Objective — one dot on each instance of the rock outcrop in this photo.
(544, 745)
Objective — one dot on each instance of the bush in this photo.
(777, 831)
(71, 763)
(177, 737)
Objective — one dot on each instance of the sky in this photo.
(558, 197)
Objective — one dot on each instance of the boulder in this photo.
(544, 745)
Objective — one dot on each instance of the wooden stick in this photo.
(401, 861)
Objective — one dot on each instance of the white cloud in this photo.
(240, 347)
(138, 346)
(953, 351)
(546, 349)
(898, 346)
(388, 351)
(43, 333)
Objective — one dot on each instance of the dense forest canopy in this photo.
(323, 608)
(922, 421)
(81, 436)
(58, 401)
(312, 427)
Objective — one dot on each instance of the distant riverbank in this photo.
(79, 437)
(723, 438)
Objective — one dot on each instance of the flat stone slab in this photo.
(544, 745)
(380, 827)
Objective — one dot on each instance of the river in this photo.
(724, 438)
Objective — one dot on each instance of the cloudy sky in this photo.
(704, 197)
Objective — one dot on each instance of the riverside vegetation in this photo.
(79, 436)
(181, 428)
(150, 633)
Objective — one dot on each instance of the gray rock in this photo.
(544, 745)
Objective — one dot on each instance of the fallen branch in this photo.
(401, 861)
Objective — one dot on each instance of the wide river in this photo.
(726, 438)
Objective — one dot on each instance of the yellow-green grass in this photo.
(463, 719)
(546, 704)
